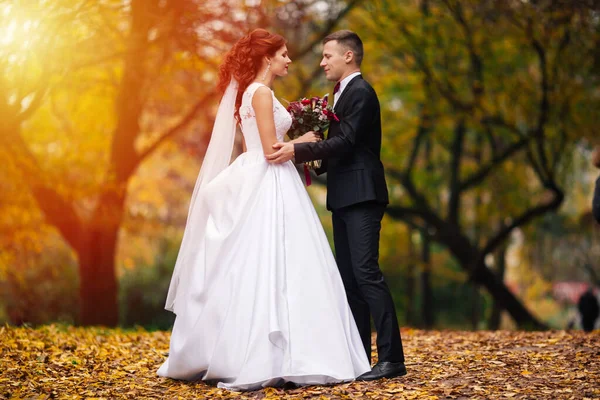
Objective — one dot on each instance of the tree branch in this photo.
(332, 23)
(454, 184)
(478, 177)
(58, 211)
(129, 102)
(544, 105)
(419, 200)
(489, 134)
(422, 130)
(477, 84)
(306, 82)
(523, 219)
(174, 130)
(500, 122)
(35, 104)
(407, 215)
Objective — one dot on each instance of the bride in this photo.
(257, 294)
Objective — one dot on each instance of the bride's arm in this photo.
(262, 102)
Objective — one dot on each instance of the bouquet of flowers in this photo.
(312, 114)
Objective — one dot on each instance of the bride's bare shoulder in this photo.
(263, 89)
(263, 97)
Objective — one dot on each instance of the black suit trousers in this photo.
(356, 230)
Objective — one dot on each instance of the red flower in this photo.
(330, 115)
(305, 101)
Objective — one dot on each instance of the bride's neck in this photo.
(268, 81)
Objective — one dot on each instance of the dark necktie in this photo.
(336, 88)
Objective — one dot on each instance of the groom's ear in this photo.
(349, 56)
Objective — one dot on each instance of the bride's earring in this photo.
(266, 71)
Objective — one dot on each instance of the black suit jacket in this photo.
(351, 153)
(596, 201)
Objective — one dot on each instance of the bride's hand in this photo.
(309, 137)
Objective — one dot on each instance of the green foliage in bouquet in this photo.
(312, 114)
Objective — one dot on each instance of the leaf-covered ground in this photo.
(66, 362)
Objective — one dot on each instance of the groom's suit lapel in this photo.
(345, 94)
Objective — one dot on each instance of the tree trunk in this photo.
(98, 288)
(98, 282)
(467, 255)
(475, 304)
(503, 296)
(500, 270)
(410, 282)
(426, 291)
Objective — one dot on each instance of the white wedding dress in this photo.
(263, 303)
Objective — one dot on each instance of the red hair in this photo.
(244, 60)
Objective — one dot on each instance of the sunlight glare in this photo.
(16, 28)
(8, 36)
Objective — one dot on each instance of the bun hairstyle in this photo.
(244, 60)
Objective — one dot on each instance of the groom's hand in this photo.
(284, 153)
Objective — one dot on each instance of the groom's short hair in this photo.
(350, 41)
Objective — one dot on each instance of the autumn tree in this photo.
(133, 70)
(90, 90)
(494, 90)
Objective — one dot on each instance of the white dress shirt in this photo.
(343, 85)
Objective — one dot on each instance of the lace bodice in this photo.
(283, 120)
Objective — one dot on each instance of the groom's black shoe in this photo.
(384, 369)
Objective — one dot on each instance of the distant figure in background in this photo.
(596, 200)
(589, 309)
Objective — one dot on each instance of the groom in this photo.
(357, 196)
